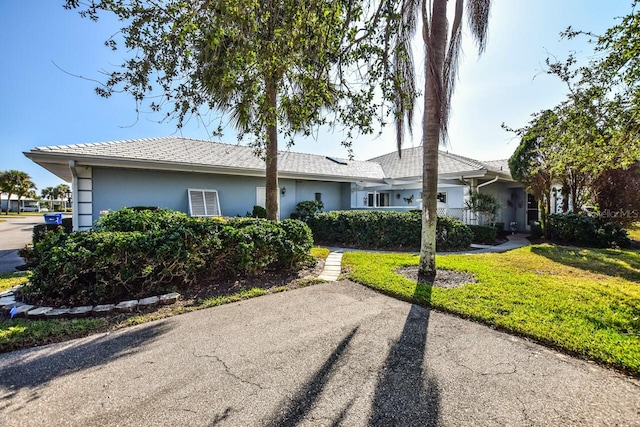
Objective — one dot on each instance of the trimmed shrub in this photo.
(583, 230)
(139, 219)
(105, 266)
(384, 230)
(40, 229)
(483, 234)
(307, 208)
(452, 234)
(257, 212)
(536, 230)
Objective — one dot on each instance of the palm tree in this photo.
(15, 182)
(47, 193)
(442, 49)
(63, 191)
(55, 195)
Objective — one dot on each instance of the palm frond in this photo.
(451, 63)
(478, 14)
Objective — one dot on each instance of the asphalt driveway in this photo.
(326, 355)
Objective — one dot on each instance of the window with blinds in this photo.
(203, 202)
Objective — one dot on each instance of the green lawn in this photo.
(634, 231)
(583, 301)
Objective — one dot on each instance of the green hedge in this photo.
(108, 264)
(484, 234)
(384, 230)
(583, 230)
(40, 229)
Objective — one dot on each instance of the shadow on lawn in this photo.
(610, 262)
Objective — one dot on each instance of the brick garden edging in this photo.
(8, 301)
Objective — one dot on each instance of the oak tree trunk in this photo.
(271, 152)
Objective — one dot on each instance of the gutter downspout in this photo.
(486, 183)
(74, 194)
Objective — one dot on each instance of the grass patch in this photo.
(22, 333)
(319, 252)
(8, 281)
(583, 301)
(226, 299)
(634, 231)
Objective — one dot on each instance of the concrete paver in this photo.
(329, 354)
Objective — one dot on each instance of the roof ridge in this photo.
(468, 160)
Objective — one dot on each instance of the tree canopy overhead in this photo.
(274, 66)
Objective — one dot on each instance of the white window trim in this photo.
(216, 207)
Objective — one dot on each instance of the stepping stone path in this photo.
(8, 302)
(332, 267)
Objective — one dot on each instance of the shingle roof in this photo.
(410, 164)
(193, 152)
(501, 165)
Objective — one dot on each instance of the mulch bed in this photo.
(444, 278)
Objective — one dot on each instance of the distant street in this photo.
(15, 233)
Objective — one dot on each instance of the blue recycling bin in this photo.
(53, 218)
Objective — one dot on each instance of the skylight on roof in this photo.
(338, 161)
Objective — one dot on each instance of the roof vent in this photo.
(338, 161)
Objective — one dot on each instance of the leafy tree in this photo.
(268, 64)
(442, 49)
(15, 182)
(616, 194)
(530, 164)
(600, 120)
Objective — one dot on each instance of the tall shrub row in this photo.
(384, 230)
(583, 230)
(135, 254)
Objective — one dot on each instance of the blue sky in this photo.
(41, 105)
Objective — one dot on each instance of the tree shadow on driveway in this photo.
(294, 411)
(407, 395)
(33, 368)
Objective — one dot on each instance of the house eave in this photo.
(58, 164)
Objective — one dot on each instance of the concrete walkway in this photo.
(332, 265)
(332, 354)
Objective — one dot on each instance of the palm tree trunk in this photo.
(8, 203)
(435, 41)
(271, 151)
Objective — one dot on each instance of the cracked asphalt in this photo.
(325, 355)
